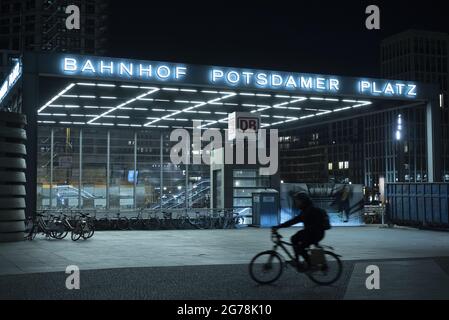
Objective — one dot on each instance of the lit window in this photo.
(330, 166)
(340, 165)
(346, 165)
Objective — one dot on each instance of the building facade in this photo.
(39, 25)
(422, 56)
(385, 146)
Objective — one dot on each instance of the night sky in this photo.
(326, 37)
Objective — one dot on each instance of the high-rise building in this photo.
(421, 56)
(385, 146)
(40, 25)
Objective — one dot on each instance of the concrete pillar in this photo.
(434, 156)
(12, 176)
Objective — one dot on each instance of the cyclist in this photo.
(315, 222)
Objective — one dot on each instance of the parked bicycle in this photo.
(325, 266)
(48, 225)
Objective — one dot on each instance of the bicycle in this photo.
(50, 227)
(274, 263)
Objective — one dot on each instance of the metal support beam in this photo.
(161, 153)
(433, 127)
(135, 171)
(52, 142)
(108, 169)
(80, 181)
(186, 191)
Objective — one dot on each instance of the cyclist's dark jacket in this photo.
(312, 218)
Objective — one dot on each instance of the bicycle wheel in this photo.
(88, 231)
(31, 229)
(135, 224)
(327, 273)
(122, 223)
(77, 232)
(266, 267)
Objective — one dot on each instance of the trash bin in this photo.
(266, 212)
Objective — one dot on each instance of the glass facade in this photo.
(98, 168)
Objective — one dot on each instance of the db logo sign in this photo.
(245, 124)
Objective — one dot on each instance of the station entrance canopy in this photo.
(98, 91)
(66, 90)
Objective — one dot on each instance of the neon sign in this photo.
(11, 80)
(274, 80)
(388, 88)
(113, 68)
(117, 68)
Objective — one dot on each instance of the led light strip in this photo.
(63, 92)
(153, 90)
(229, 94)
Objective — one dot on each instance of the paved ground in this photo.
(413, 264)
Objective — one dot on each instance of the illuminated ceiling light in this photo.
(209, 91)
(181, 101)
(65, 122)
(70, 106)
(88, 97)
(159, 110)
(350, 101)
(263, 95)
(332, 99)
(108, 98)
(306, 117)
(76, 115)
(91, 107)
(247, 94)
(225, 113)
(129, 87)
(189, 90)
(69, 96)
(282, 96)
(161, 100)
(170, 89)
(56, 106)
(79, 123)
(124, 104)
(59, 115)
(342, 109)
(106, 85)
(323, 113)
(45, 114)
(70, 86)
(316, 98)
(86, 84)
(277, 123)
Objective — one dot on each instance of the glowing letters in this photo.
(274, 80)
(232, 77)
(123, 69)
(10, 80)
(388, 89)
